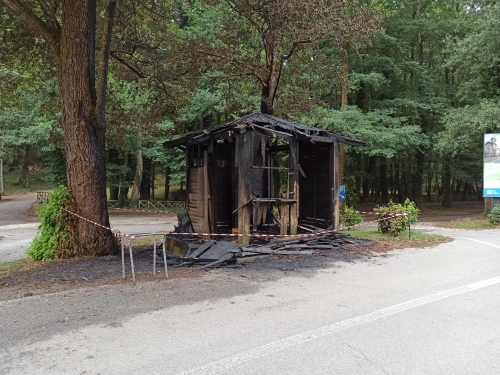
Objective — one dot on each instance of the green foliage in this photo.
(395, 225)
(52, 231)
(37, 183)
(401, 241)
(384, 134)
(475, 57)
(494, 215)
(350, 217)
(352, 196)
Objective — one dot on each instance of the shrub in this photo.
(52, 230)
(396, 225)
(494, 215)
(350, 217)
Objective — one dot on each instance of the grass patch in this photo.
(383, 242)
(18, 265)
(10, 266)
(12, 186)
(368, 234)
(472, 223)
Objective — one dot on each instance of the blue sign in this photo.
(491, 193)
(342, 194)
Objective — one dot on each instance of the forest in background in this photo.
(418, 81)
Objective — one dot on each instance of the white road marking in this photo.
(301, 338)
(19, 226)
(484, 243)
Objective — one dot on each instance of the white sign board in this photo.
(491, 177)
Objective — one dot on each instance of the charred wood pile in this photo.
(212, 253)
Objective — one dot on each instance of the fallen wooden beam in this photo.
(277, 252)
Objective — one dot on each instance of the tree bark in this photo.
(383, 180)
(73, 43)
(84, 130)
(448, 193)
(167, 183)
(124, 184)
(418, 178)
(343, 105)
(145, 185)
(24, 178)
(1, 170)
(134, 199)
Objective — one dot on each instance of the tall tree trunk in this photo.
(1, 169)
(167, 183)
(383, 179)
(397, 181)
(343, 105)
(266, 106)
(24, 178)
(418, 178)
(152, 174)
(429, 186)
(124, 183)
(114, 181)
(273, 67)
(145, 185)
(74, 45)
(134, 200)
(84, 130)
(448, 193)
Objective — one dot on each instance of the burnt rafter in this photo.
(270, 125)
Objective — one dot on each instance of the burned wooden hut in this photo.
(260, 171)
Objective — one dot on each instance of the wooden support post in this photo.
(335, 159)
(284, 217)
(256, 214)
(245, 161)
(294, 218)
(206, 196)
(293, 191)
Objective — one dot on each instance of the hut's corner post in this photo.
(294, 185)
(245, 161)
(335, 159)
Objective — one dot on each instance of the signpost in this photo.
(491, 157)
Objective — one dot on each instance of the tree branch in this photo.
(234, 61)
(35, 23)
(128, 65)
(50, 15)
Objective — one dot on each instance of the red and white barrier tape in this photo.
(305, 235)
(182, 211)
(378, 213)
(99, 225)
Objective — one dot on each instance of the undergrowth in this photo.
(52, 231)
(397, 224)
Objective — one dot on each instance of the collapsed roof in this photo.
(269, 125)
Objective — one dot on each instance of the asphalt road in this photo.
(18, 225)
(414, 311)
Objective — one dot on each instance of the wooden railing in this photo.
(155, 205)
(42, 197)
(163, 205)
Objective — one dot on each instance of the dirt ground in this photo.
(40, 277)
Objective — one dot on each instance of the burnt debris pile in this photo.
(213, 253)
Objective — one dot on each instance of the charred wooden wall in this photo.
(195, 202)
(222, 192)
(315, 189)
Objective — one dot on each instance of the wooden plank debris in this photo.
(200, 250)
(213, 253)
